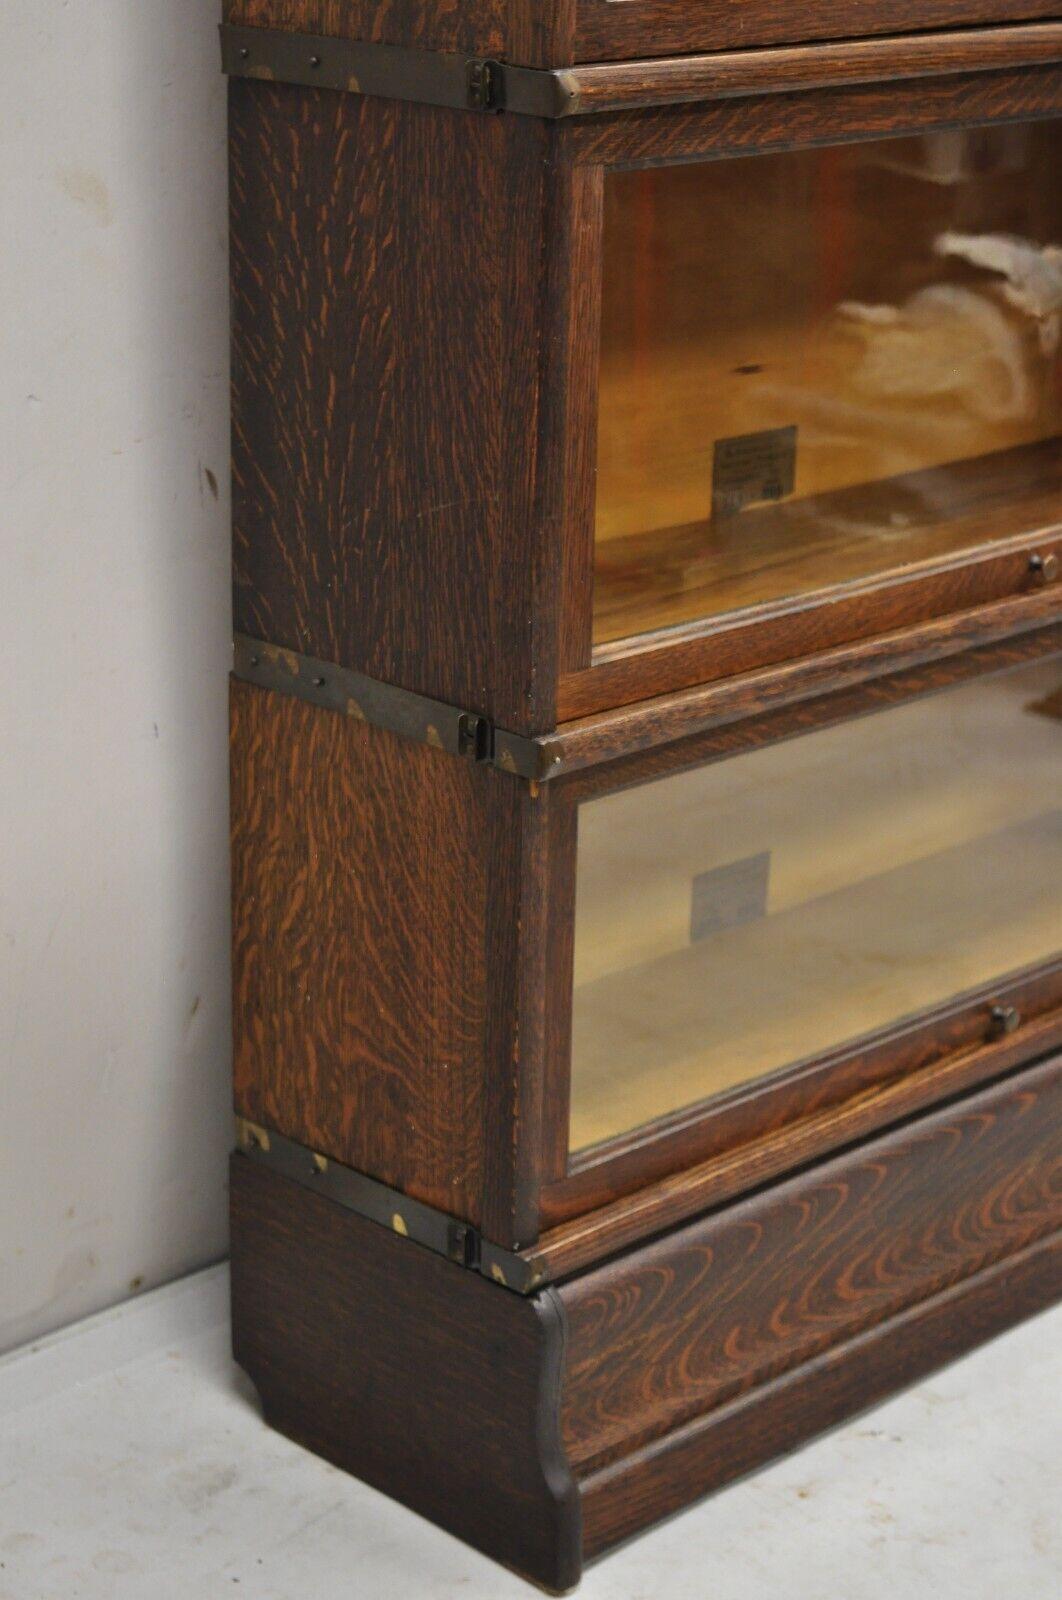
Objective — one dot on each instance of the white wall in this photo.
(114, 629)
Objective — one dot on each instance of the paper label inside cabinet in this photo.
(753, 467)
(728, 896)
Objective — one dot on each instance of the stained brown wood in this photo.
(685, 1326)
(422, 1378)
(386, 383)
(693, 1134)
(611, 735)
(634, 1388)
(607, 30)
(623, 85)
(557, 32)
(800, 1134)
(580, 192)
(383, 911)
(654, 580)
(518, 30)
(681, 658)
(787, 1410)
(360, 1012)
(818, 116)
(417, 323)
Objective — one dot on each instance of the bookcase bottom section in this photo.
(426, 1380)
(546, 1429)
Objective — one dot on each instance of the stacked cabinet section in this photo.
(748, 916)
(646, 731)
(821, 367)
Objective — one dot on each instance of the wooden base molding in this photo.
(785, 1412)
(544, 1429)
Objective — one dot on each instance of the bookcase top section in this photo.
(559, 32)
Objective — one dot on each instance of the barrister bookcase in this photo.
(646, 731)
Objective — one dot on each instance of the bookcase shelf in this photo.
(646, 732)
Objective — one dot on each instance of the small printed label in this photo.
(753, 467)
(729, 896)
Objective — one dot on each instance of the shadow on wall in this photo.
(114, 1002)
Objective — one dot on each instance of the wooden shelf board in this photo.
(647, 582)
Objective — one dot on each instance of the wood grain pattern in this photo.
(726, 1304)
(784, 1314)
(557, 32)
(424, 1379)
(800, 1134)
(612, 735)
(576, 285)
(475, 25)
(670, 576)
(801, 1402)
(761, 724)
(379, 911)
(358, 907)
(818, 116)
(608, 31)
(386, 380)
(811, 1099)
(525, 31)
(620, 86)
(638, 669)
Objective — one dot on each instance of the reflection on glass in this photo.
(767, 908)
(822, 365)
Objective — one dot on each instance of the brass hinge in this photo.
(444, 1235)
(412, 716)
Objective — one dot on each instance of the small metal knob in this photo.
(1044, 569)
(1005, 1019)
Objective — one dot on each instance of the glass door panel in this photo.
(736, 919)
(824, 365)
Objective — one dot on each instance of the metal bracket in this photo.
(446, 1236)
(412, 716)
(432, 77)
(485, 85)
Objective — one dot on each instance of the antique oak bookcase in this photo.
(646, 730)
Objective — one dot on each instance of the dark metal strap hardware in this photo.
(473, 84)
(485, 86)
(412, 716)
(432, 77)
(412, 1219)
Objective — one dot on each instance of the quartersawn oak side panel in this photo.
(387, 308)
(429, 1382)
(722, 1307)
(518, 30)
(475, 25)
(361, 867)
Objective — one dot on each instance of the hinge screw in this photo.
(1005, 1019)
(483, 86)
(474, 736)
(464, 1245)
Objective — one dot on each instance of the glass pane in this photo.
(822, 365)
(767, 908)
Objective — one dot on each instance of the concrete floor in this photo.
(134, 1466)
